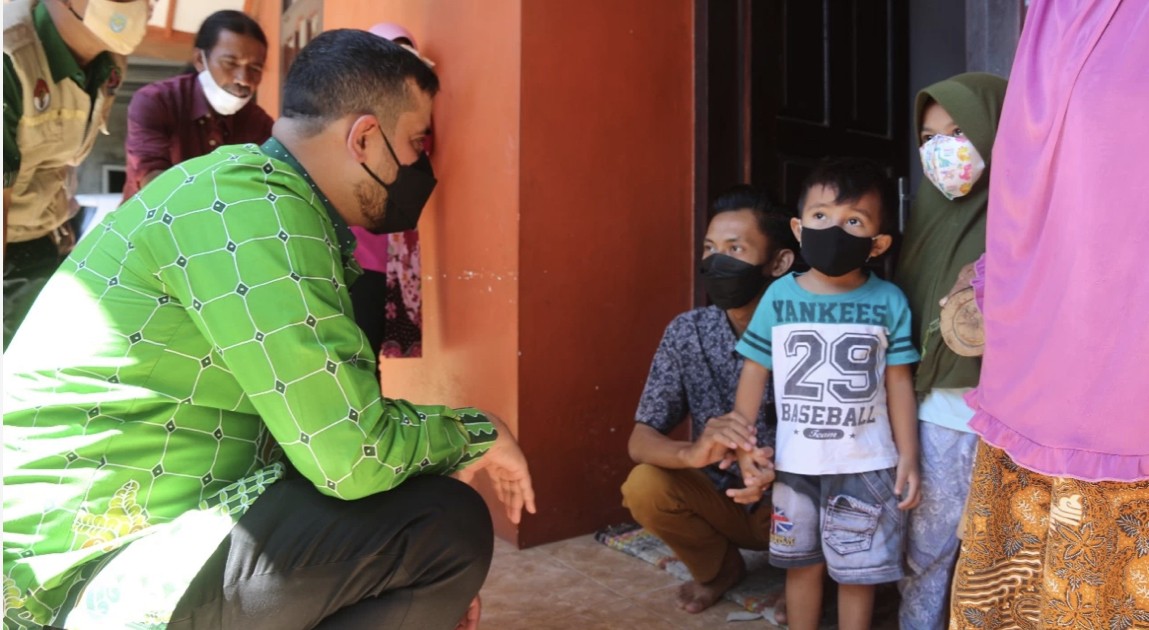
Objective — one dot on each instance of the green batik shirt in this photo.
(208, 311)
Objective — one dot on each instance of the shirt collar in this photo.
(274, 148)
(60, 59)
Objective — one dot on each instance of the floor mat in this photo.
(757, 593)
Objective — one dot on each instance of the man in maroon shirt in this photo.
(192, 114)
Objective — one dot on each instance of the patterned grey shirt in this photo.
(695, 373)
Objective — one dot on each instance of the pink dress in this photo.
(400, 303)
(1065, 379)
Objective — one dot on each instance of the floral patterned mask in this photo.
(952, 164)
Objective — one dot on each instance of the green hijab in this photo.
(943, 235)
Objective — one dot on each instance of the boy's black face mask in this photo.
(834, 251)
(731, 283)
(407, 195)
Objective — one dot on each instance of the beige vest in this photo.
(54, 134)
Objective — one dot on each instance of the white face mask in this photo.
(121, 26)
(952, 164)
(222, 101)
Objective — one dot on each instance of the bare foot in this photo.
(695, 598)
(774, 610)
(780, 610)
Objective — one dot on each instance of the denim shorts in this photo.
(851, 522)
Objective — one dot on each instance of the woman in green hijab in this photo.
(956, 121)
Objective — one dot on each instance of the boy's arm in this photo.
(903, 411)
(755, 463)
(751, 388)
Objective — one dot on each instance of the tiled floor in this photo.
(580, 584)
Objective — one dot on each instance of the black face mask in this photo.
(731, 283)
(834, 251)
(407, 195)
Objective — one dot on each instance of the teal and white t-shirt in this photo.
(830, 372)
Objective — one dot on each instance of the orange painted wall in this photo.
(470, 228)
(557, 245)
(267, 13)
(605, 258)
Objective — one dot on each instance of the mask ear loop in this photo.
(872, 239)
(389, 149)
(375, 177)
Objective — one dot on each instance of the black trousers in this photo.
(27, 267)
(412, 557)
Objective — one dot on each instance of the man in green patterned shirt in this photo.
(204, 445)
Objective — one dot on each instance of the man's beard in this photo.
(372, 205)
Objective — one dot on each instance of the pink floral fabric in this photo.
(397, 256)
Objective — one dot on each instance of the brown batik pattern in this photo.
(1051, 552)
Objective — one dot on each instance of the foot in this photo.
(695, 597)
(775, 608)
(780, 611)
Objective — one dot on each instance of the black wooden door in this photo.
(784, 83)
(787, 82)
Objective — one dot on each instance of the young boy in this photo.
(847, 446)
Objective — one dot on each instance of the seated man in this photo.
(679, 490)
(192, 114)
(208, 315)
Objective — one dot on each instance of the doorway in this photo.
(783, 83)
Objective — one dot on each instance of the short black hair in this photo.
(851, 178)
(772, 221)
(348, 71)
(237, 22)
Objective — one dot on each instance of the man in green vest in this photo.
(63, 61)
(206, 316)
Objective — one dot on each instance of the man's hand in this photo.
(507, 467)
(721, 436)
(470, 620)
(64, 239)
(909, 483)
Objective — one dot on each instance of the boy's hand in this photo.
(909, 483)
(757, 466)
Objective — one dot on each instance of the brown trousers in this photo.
(698, 523)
